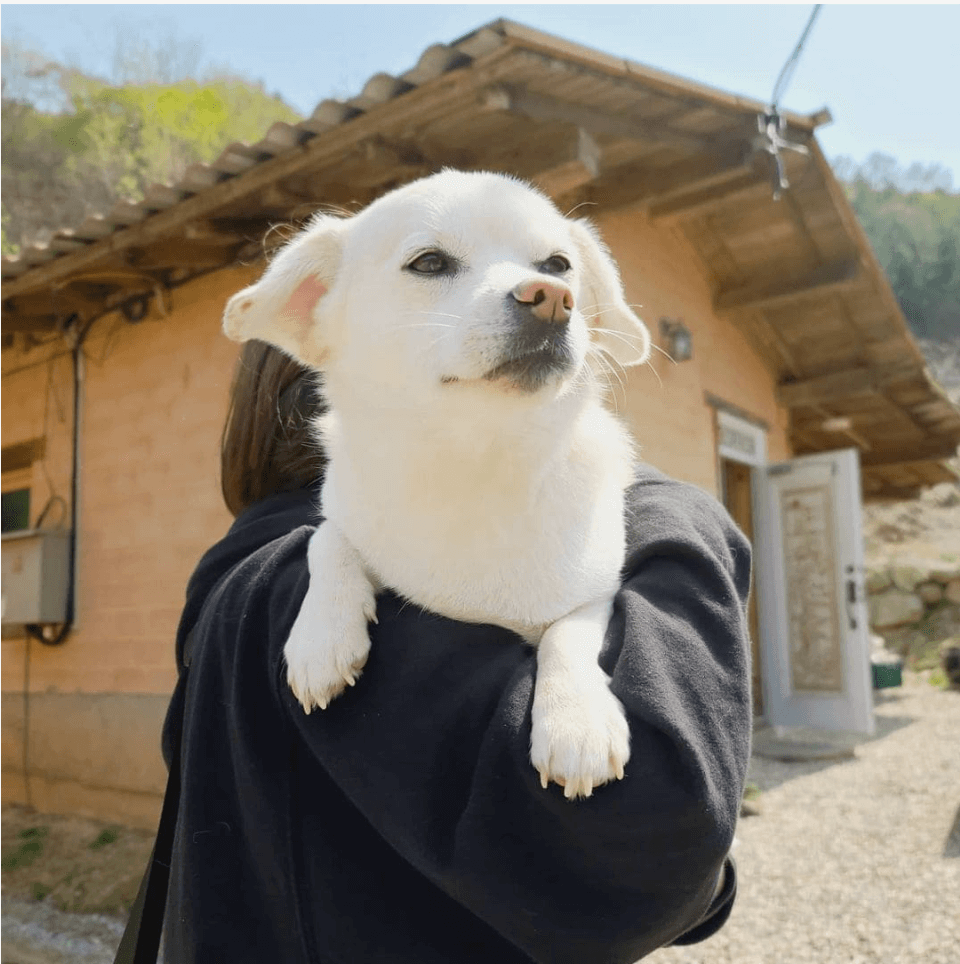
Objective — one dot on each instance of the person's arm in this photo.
(432, 745)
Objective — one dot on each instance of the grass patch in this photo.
(106, 837)
(71, 862)
(28, 851)
(39, 891)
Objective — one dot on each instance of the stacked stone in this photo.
(903, 594)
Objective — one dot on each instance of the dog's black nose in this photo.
(547, 300)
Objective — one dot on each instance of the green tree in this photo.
(913, 222)
(73, 144)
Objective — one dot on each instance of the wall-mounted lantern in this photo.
(676, 338)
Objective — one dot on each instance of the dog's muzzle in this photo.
(538, 348)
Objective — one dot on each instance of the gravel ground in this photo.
(849, 862)
(857, 861)
(37, 933)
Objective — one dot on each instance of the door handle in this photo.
(852, 600)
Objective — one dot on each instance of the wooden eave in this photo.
(796, 275)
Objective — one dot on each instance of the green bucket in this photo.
(886, 675)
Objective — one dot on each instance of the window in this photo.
(17, 465)
(16, 510)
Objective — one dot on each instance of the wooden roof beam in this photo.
(26, 323)
(577, 169)
(930, 451)
(701, 199)
(697, 174)
(541, 108)
(776, 291)
(836, 386)
(881, 491)
(223, 234)
(180, 253)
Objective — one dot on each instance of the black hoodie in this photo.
(405, 823)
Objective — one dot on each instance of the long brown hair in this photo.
(268, 443)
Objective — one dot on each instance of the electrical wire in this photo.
(772, 127)
(788, 68)
(28, 796)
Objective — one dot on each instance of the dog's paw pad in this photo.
(580, 738)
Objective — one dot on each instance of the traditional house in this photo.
(796, 385)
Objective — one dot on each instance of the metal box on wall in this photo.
(36, 568)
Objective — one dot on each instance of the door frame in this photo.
(745, 442)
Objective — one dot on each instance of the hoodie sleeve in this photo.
(432, 746)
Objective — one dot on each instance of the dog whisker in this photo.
(593, 317)
(607, 306)
(622, 335)
(436, 314)
(582, 204)
(656, 373)
(606, 363)
(665, 354)
(423, 324)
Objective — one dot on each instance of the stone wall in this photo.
(914, 605)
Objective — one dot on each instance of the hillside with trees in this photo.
(913, 222)
(73, 144)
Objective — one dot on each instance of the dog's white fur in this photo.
(472, 488)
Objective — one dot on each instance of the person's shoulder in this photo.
(653, 493)
(666, 514)
(257, 533)
(258, 565)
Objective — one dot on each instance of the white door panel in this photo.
(809, 573)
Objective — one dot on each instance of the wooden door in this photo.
(737, 485)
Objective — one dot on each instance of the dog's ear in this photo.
(615, 328)
(284, 308)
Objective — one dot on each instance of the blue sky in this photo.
(887, 72)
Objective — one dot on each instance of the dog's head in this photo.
(459, 281)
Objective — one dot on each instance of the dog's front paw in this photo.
(328, 648)
(580, 737)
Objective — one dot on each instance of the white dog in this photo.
(460, 323)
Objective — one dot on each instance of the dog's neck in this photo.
(465, 437)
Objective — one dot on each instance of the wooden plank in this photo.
(177, 253)
(763, 335)
(698, 173)
(18, 322)
(778, 290)
(823, 389)
(542, 108)
(705, 199)
(850, 223)
(931, 450)
(582, 166)
(709, 243)
(669, 84)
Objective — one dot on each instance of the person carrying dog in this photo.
(405, 823)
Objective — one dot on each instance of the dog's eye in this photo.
(431, 262)
(557, 264)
